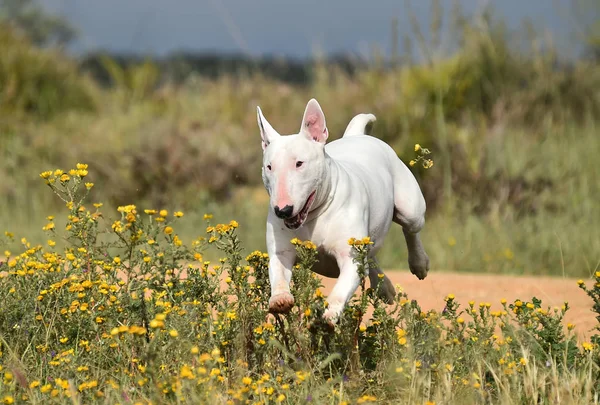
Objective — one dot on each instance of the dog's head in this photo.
(293, 165)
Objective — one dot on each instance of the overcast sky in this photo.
(295, 28)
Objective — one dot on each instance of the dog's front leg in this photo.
(281, 260)
(344, 288)
(280, 274)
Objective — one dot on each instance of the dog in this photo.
(355, 186)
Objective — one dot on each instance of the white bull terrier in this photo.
(352, 187)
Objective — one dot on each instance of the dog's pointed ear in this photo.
(267, 132)
(313, 122)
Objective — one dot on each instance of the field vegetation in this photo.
(138, 287)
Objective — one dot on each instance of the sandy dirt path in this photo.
(553, 292)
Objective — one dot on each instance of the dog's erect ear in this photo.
(313, 122)
(267, 132)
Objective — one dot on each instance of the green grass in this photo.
(108, 317)
(559, 238)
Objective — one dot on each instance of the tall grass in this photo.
(129, 311)
(513, 130)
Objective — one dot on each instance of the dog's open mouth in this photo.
(296, 222)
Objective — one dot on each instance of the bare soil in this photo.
(553, 292)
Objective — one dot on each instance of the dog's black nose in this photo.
(284, 212)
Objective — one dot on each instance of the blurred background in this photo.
(159, 99)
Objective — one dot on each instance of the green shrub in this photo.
(38, 83)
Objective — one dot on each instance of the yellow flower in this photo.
(417, 147)
(89, 185)
(186, 372)
(412, 162)
(8, 400)
(46, 174)
(281, 398)
(460, 320)
(523, 361)
(194, 350)
(207, 216)
(150, 212)
(518, 303)
(163, 213)
(580, 282)
(173, 333)
(178, 214)
(168, 230)
(247, 380)
(450, 297)
(233, 224)
(587, 346)
(117, 260)
(156, 324)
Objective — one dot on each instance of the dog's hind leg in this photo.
(409, 212)
(381, 283)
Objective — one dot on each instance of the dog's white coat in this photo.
(360, 187)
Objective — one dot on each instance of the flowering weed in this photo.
(129, 312)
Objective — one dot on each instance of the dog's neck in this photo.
(324, 195)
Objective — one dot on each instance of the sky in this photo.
(293, 28)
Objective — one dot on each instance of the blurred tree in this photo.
(29, 17)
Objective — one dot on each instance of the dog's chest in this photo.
(325, 235)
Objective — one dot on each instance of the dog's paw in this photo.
(332, 315)
(281, 303)
(321, 324)
(419, 266)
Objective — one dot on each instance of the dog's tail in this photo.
(358, 124)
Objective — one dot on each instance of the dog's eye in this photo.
(299, 164)
(269, 167)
